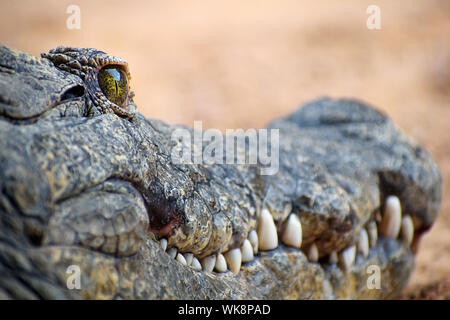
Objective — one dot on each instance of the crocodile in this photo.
(93, 204)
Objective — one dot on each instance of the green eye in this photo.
(114, 83)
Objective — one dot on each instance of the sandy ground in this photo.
(238, 64)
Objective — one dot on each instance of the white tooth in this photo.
(163, 244)
(347, 257)
(373, 233)
(267, 232)
(221, 263)
(407, 229)
(209, 262)
(180, 258)
(172, 252)
(292, 235)
(363, 243)
(392, 218)
(234, 260)
(196, 264)
(333, 257)
(253, 238)
(247, 251)
(188, 256)
(313, 253)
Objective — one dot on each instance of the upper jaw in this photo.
(372, 196)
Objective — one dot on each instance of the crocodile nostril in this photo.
(34, 233)
(163, 217)
(73, 92)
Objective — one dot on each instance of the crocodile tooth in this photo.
(347, 257)
(313, 253)
(267, 232)
(188, 256)
(234, 260)
(209, 262)
(253, 238)
(373, 233)
(392, 218)
(292, 235)
(163, 244)
(363, 243)
(180, 258)
(407, 230)
(247, 251)
(172, 252)
(196, 264)
(221, 263)
(333, 258)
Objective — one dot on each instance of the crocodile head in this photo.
(93, 205)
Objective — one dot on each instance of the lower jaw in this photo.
(282, 273)
(286, 273)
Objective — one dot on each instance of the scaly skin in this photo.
(86, 182)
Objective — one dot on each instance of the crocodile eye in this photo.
(114, 83)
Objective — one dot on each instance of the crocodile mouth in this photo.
(390, 226)
(277, 250)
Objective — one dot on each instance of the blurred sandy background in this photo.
(241, 63)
